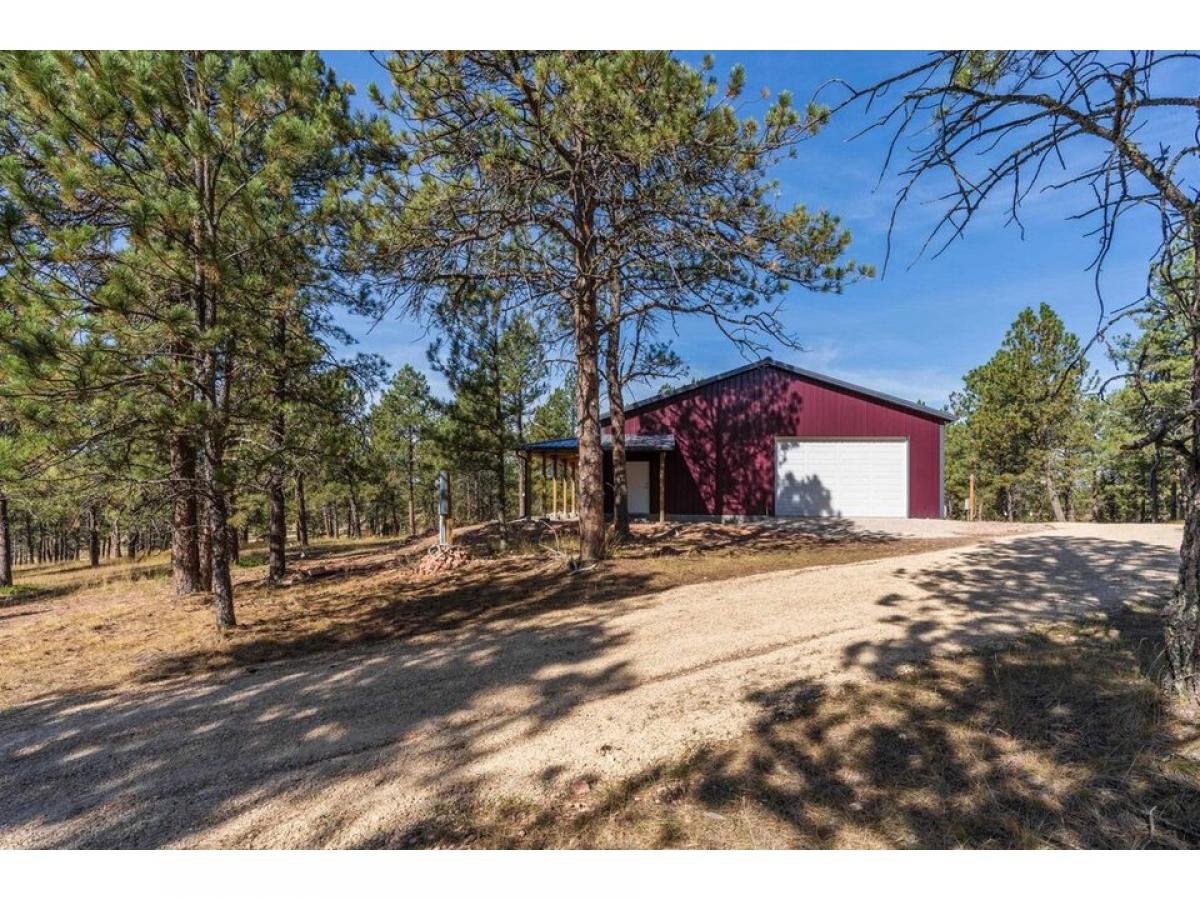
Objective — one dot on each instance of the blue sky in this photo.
(916, 330)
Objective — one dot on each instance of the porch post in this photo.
(554, 511)
(544, 486)
(662, 486)
(522, 506)
(573, 474)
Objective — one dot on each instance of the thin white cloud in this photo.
(928, 384)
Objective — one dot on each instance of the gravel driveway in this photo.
(343, 748)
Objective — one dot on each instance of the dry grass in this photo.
(73, 628)
(1060, 740)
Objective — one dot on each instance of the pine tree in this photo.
(997, 121)
(1155, 359)
(554, 417)
(401, 430)
(1021, 413)
(161, 177)
(541, 170)
(494, 366)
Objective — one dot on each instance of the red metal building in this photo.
(770, 439)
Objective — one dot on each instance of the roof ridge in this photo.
(770, 362)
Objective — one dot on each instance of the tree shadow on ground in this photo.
(117, 634)
(1055, 741)
(1015, 748)
(771, 536)
(389, 601)
(24, 594)
(1062, 738)
(348, 548)
(109, 572)
(403, 606)
(995, 591)
(1045, 744)
(648, 539)
(112, 769)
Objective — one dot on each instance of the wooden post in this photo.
(522, 508)
(662, 486)
(554, 509)
(570, 489)
(971, 498)
(545, 486)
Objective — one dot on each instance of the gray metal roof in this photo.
(633, 443)
(930, 411)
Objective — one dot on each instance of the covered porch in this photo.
(557, 463)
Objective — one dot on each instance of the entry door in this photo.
(639, 487)
(841, 477)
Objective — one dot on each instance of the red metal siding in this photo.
(725, 433)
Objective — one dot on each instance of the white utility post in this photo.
(445, 510)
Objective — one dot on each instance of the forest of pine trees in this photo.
(182, 232)
(1046, 438)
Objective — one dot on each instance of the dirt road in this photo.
(344, 748)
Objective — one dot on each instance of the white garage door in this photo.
(841, 477)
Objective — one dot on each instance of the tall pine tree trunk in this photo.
(1175, 497)
(1153, 487)
(1182, 627)
(301, 514)
(6, 561)
(587, 401)
(216, 362)
(501, 425)
(206, 545)
(1182, 614)
(93, 535)
(412, 488)
(616, 411)
(1052, 494)
(584, 308)
(277, 527)
(501, 497)
(354, 526)
(222, 578)
(216, 534)
(29, 548)
(217, 499)
(185, 553)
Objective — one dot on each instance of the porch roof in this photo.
(634, 443)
